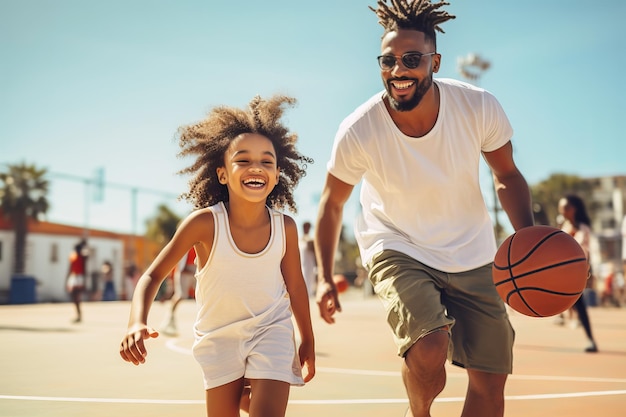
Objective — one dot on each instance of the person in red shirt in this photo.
(76, 276)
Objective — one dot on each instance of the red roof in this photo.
(143, 253)
(48, 228)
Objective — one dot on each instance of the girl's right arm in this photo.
(196, 230)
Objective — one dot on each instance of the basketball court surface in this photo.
(53, 368)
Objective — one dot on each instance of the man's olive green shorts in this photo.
(419, 300)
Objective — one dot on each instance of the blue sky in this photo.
(93, 84)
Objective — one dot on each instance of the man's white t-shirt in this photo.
(421, 196)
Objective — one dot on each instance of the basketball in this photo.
(540, 271)
(341, 282)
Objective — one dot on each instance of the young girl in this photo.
(249, 278)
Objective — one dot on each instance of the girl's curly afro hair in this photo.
(209, 140)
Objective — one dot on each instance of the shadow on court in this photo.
(53, 368)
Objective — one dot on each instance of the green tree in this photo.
(23, 195)
(547, 193)
(162, 226)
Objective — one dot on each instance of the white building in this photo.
(48, 247)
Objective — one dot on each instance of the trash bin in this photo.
(22, 290)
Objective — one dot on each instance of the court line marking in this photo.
(99, 400)
(461, 375)
(305, 402)
(171, 344)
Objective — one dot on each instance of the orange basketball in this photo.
(341, 282)
(540, 271)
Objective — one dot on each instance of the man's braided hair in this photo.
(420, 15)
(209, 140)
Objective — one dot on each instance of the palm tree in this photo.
(23, 195)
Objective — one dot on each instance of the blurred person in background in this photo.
(184, 281)
(576, 223)
(307, 257)
(130, 281)
(106, 272)
(621, 278)
(77, 276)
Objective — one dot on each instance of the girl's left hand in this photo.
(307, 360)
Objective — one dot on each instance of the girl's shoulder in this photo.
(200, 220)
(199, 232)
(202, 214)
(287, 219)
(291, 228)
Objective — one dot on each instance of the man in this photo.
(425, 235)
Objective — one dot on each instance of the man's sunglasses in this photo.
(411, 60)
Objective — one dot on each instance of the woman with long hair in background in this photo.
(577, 224)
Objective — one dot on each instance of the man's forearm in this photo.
(327, 233)
(514, 196)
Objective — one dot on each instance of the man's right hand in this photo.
(328, 301)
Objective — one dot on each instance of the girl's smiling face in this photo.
(250, 168)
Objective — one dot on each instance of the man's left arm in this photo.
(511, 186)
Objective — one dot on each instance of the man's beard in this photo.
(420, 90)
